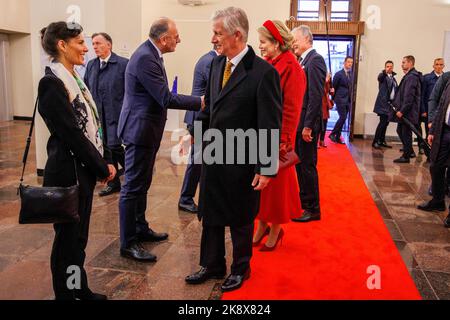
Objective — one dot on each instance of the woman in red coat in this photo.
(327, 105)
(280, 201)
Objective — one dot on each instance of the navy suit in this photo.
(342, 84)
(387, 85)
(193, 171)
(107, 86)
(311, 117)
(141, 128)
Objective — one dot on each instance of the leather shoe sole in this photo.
(200, 280)
(308, 218)
(431, 207)
(145, 258)
(234, 286)
(189, 209)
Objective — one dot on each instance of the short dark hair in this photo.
(410, 59)
(57, 31)
(388, 62)
(348, 58)
(104, 35)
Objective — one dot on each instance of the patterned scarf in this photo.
(83, 104)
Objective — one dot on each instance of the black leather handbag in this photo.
(47, 205)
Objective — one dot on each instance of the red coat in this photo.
(327, 103)
(280, 201)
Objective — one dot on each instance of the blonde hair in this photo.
(285, 33)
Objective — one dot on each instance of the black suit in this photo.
(251, 100)
(70, 239)
(311, 117)
(440, 151)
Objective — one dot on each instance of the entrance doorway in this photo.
(340, 48)
(6, 112)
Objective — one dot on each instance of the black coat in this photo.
(385, 85)
(316, 73)
(439, 123)
(58, 114)
(343, 88)
(107, 87)
(408, 97)
(251, 99)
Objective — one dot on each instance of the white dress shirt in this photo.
(236, 60)
(305, 54)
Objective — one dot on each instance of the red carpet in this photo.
(328, 260)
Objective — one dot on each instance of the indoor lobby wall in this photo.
(194, 26)
(406, 27)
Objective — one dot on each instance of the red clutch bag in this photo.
(289, 159)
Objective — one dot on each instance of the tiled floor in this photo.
(24, 250)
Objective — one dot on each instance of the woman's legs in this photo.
(261, 230)
(68, 255)
(273, 236)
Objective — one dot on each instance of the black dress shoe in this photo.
(191, 208)
(204, 275)
(421, 151)
(90, 296)
(152, 236)
(308, 217)
(109, 191)
(447, 222)
(376, 146)
(432, 206)
(402, 160)
(235, 282)
(413, 155)
(137, 252)
(385, 145)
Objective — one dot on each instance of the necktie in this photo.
(103, 65)
(227, 74)
(301, 60)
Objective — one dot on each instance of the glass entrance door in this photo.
(340, 48)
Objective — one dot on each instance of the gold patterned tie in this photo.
(227, 74)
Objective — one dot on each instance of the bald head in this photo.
(164, 34)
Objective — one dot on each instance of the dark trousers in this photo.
(191, 180)
(405, 135)
(212, 252)
(69, 250)
(439, 167)
(118, 156)
(139, 164)
(324, 130)
(343, 115)
(308, 177)
(380, 134)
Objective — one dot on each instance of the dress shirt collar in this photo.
(305, 54)
(236, 60)
(106, 59)
(157, 49)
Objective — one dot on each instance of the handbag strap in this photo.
(27, 148)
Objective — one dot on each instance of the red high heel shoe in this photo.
(266, 233)
(265, 248)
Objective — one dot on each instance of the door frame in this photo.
(5, 75)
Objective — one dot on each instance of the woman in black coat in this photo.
(76, 140)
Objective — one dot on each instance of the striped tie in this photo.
(227, 74)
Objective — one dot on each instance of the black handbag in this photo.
(47, 205)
